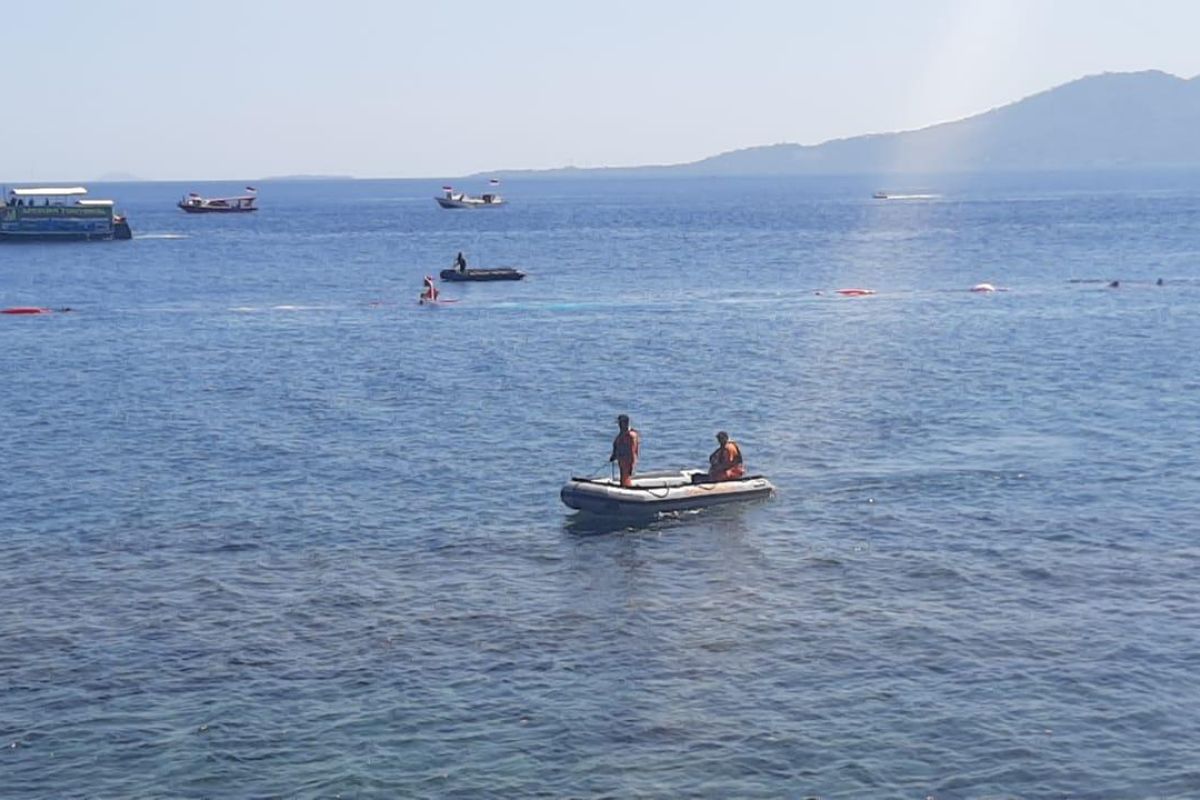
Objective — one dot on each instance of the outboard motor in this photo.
(121, 228)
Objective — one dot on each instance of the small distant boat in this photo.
(453, 199)
(493, 274)
(897, 196)
(855, 292)
(658, 492)
(59, 214)
(983, 288)
(195, 204)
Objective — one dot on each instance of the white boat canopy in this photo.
(50, 192)
(93, 202)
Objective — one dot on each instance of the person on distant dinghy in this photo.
(625, 450)
(460, 263)
(725, 463)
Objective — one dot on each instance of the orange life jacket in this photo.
(727, 462)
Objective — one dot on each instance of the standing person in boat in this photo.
(725, 463)
(625, 450)
(429, 292)
(460, 263)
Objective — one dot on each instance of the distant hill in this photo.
(1112, 120)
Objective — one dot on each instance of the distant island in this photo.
(1108, 121)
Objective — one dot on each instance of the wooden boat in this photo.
(195, 204)
(494, 274)
(453, 199)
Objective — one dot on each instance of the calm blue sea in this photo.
(269, 529)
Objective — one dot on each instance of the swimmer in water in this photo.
(429, 292)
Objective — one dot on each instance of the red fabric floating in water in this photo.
(24, 310)
(855, 292)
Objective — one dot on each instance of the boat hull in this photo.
(203, 210)
(659, 492)
(447, 202)
(61, 224)
(65, 236)
(498, 274)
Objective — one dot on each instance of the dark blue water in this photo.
(270, 529)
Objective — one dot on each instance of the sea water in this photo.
(271, 529)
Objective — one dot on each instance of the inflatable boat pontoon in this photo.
(492, 274)
(655, 492)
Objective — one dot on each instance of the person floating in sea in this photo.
(429, 292)
(725, 463)
(625, 450)
(460, 263)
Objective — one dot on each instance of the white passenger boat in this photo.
(453, 199)
(656, 492)
(58, 214)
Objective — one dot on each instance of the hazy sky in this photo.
(178, 90)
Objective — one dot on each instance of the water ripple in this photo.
(316, 550)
